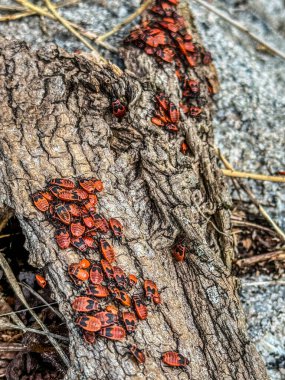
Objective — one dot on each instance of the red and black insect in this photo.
(89, 206)
(82, 194)
(48, 196)
(101, 224)
(68, 195)
(40, 202)
(77, 229)
(140, 307)
(118, 109)
(174, 113)
(96, 274)
(88, 220)
(62, 213)
(73, 209)
(75, 271)
(132, 280)
(90, 241)
(107, 318)
(113, 333)
(195, 111)
(120, 277)
(184, 148)
(179, 252)
(108, 269)
(89, 323)
(85, 304)
(163, 101)
(89, 337)
(41, 281)
(171, 128)
(79, 244)
(107, 250)
(174, 359)
(84, 264)
(116, 228)
(121, 297)
(137, 353)
(151, 291)
(97, 290)
(62, 237)
(130, 321)
(112, 309)
(88, 185)
(56, 190)
(62, 182)
(98, 185)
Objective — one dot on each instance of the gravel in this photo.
(248, 122)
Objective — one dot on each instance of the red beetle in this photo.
(73, 209)
(62, 182)
(107, 318)
(107, 250)
(62, 213)
(119, 110)
(75, 271)
(151, 290)
(48, 196)
(120, 277)
(68, 195)
(133, 280)
(184, 147)
(84, 264)
(77, 229)
(173, 113)
(174, 359)
(98, 184)
(101, 224)
(140, 308)
(79, 243)
(194, 86)
(41, 281)
(96, 274)
(112, 309)
(179, 252)
(89, 323)
(62, 237)
(93, 198)
(40, 202)
(113, 333)
(130, 321)
(82, 194)
(108, 269)
(88, 185)
(90, 241)
(85, 304)
(137, 354)
(121, 297)
(88, 221)
(116, 228)
(157, 121)
(56, 190)
(89, 337)
(163, 101)
(97, 290)
(171, 128)
(195, 111)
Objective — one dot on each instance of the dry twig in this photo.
(259, 177)
(241, 27)
(250, 261)
(24, 310)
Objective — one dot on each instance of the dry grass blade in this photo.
(70, 28)
(5, 219)
(15, 286)
(127, 21)
(36, 294)
(241, 27)
(24, 310)
(17, 347)
(12, 314)
(258, 177)
(49, 335)
(251, 196)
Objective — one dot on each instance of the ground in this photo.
(248, 121)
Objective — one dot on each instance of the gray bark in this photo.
(56, 121)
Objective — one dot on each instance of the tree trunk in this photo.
(56, 122)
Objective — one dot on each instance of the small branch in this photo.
(127, 21)
(15, 286)
(24, 310)
(12, 313)
(250, 261)
(261, 283)
(12, 347)
(253, 199)
(242, 223)
(51, 336)
(259, 177)
(5, 219)
(241, 27)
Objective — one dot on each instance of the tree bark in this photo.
(56, 122)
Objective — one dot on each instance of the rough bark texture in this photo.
(56, 121)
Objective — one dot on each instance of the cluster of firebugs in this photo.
(109, 306)
(71, 206)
